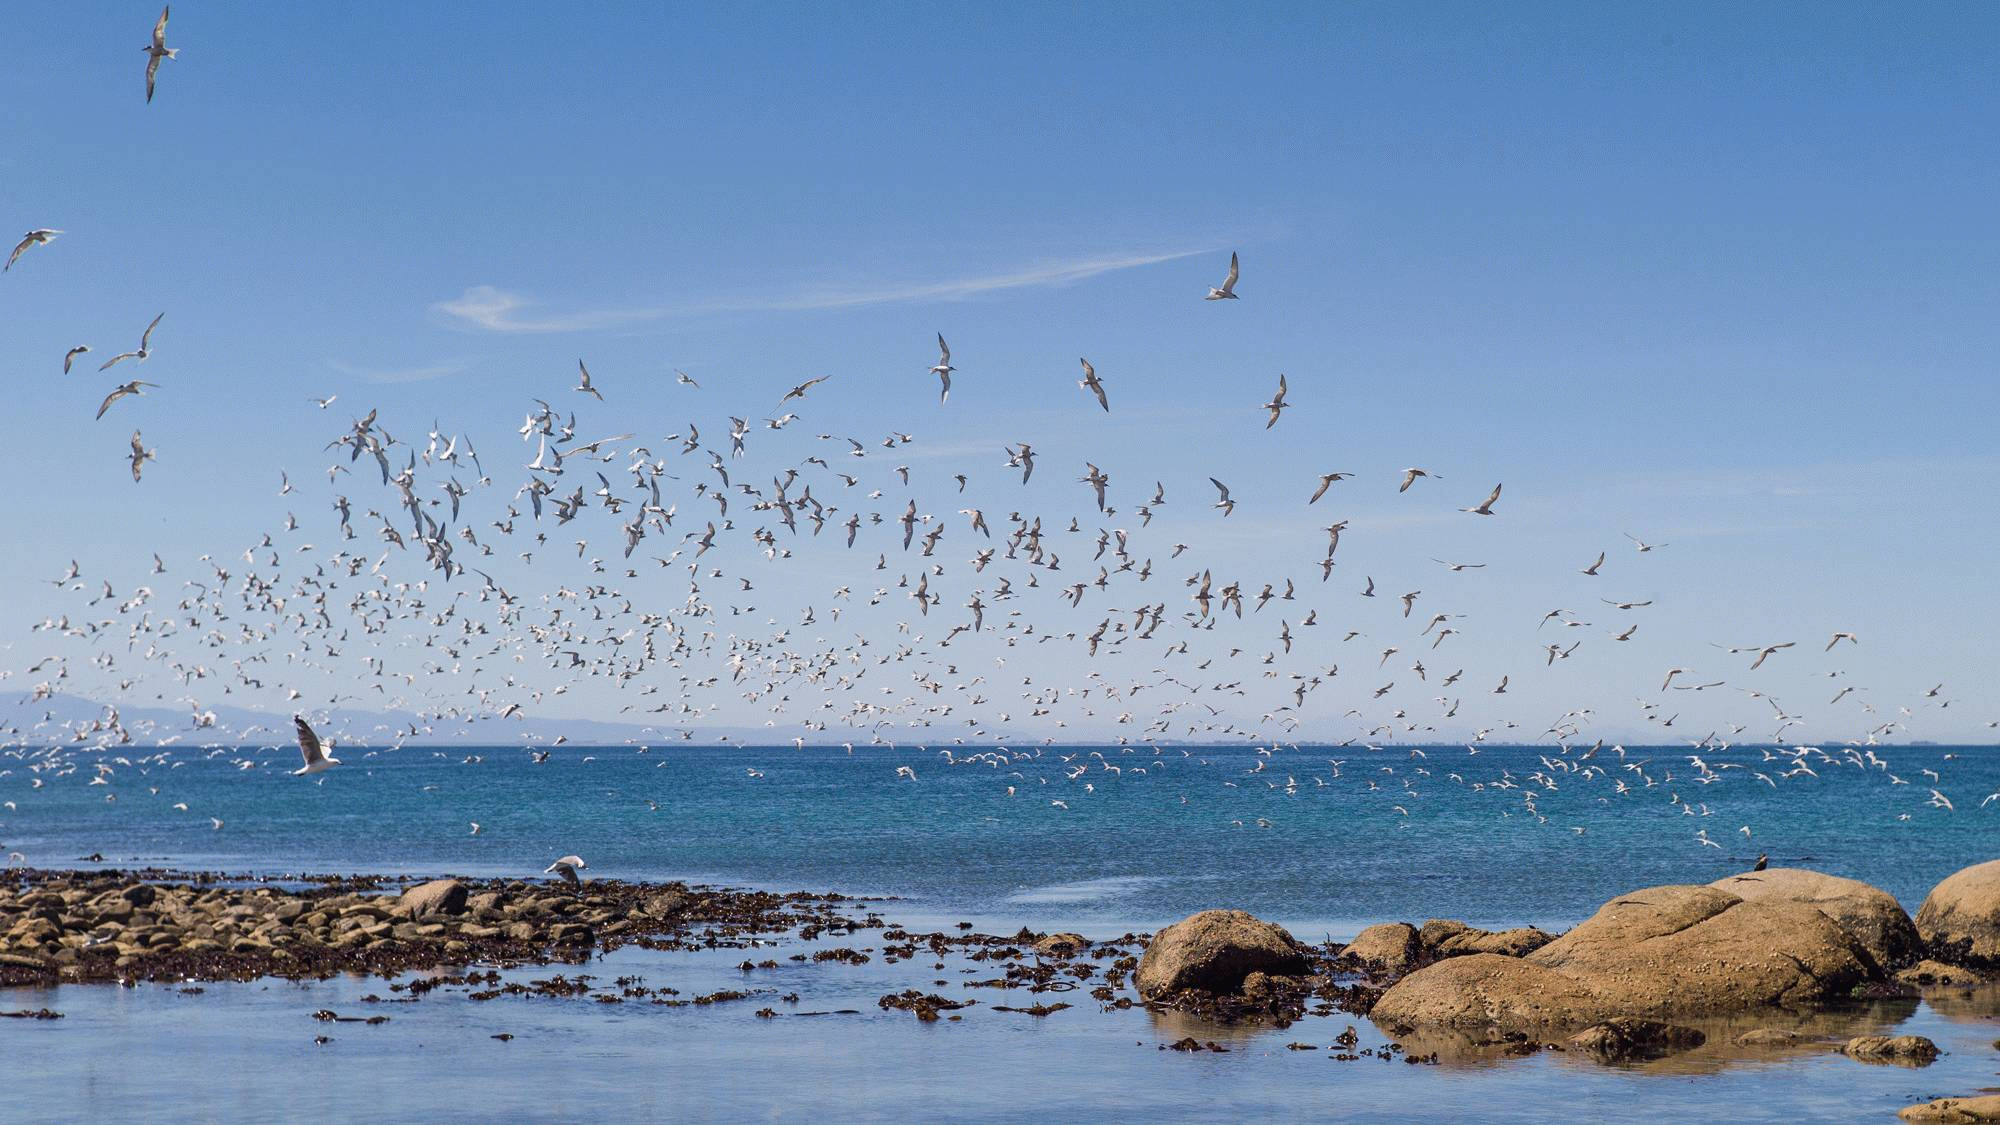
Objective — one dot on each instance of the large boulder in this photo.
(1213, 952)
(1391, 947)
(439, 896)
(1674, 950)
(1870, 916)
(1961, 916)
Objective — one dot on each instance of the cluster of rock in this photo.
(1781, 938)
(115, 926)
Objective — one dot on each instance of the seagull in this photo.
(688, 381)
(1090, 383)
(1487, 505)
(800, 390)
(155, 51)
(1410, 477)
(1839, 637)
(1277, 404)
(32, 238)
(145, 347)
(475, 827)
(317, 760)
(323, 403)
(1326, 481)
(1228, 290)
(131, 388)
(943, 369)
(1225, 503)
(140, 455)
(69, 357)
(1592, 568)
(1763, 861)
(585, 386)
(567, 867)
(1643, 545)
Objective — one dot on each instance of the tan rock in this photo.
(439, 896)
(1062, 945)
(1625, 1039)
(1870, 916)
(1213, 951)
(1391, 947)
(1902, 1050)
(1655, 952)
(1964, 911)
(1768, 1037)
(1954, 1111)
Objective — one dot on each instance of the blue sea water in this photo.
(1379, 840)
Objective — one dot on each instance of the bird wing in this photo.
(152, 69)
(114, 396)
(25, 243)
(944, 351)
(146, 337)
(1492, 498)
(308, 741)
(1229, 283)
(160, 28)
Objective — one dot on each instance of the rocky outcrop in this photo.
(1769, 1037)
(1391, 947)
(439, 896)
(1960, 918)
(1901, 1050)
(1214, 951)
(1518, 942)
(1654, 952)
(1954, 1111)
(1869, 915)
(1625, 1039)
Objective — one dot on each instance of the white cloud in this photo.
(491, 309)
(400, 375)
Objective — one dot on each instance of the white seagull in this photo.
(157, 50)
(317, 760)
(32, 238)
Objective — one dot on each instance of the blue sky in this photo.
(1713, 275)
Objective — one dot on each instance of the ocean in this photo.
(1323, 840)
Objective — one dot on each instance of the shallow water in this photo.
(1127, 855)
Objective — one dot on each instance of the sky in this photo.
(1713, 276)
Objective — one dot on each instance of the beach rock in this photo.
(1062, 945)
(1768, 1037)
(1653, 952)
(1954, 1111)
(439, 896)
(1960, 918)
(1936, 974)
(1437, 931)
(1391, 946)
(1903, 1050)
(1870, 916)
(1624, 1039)
(1517, 942)
(1213, 951)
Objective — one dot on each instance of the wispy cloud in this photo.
(400, 375)
(491, 309)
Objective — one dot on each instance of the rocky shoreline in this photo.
(153, 925)
(1753, 956)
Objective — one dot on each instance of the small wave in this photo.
(1109, 887)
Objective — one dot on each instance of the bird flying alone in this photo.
(32, 238)
(1277, 404)
(131, 388)
(316, 758)
(157, 50)
(1090, 383)
(1485, 507)
(943, 369)
(145, 347)
(1227, 290)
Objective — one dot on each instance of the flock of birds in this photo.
(805, 574)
